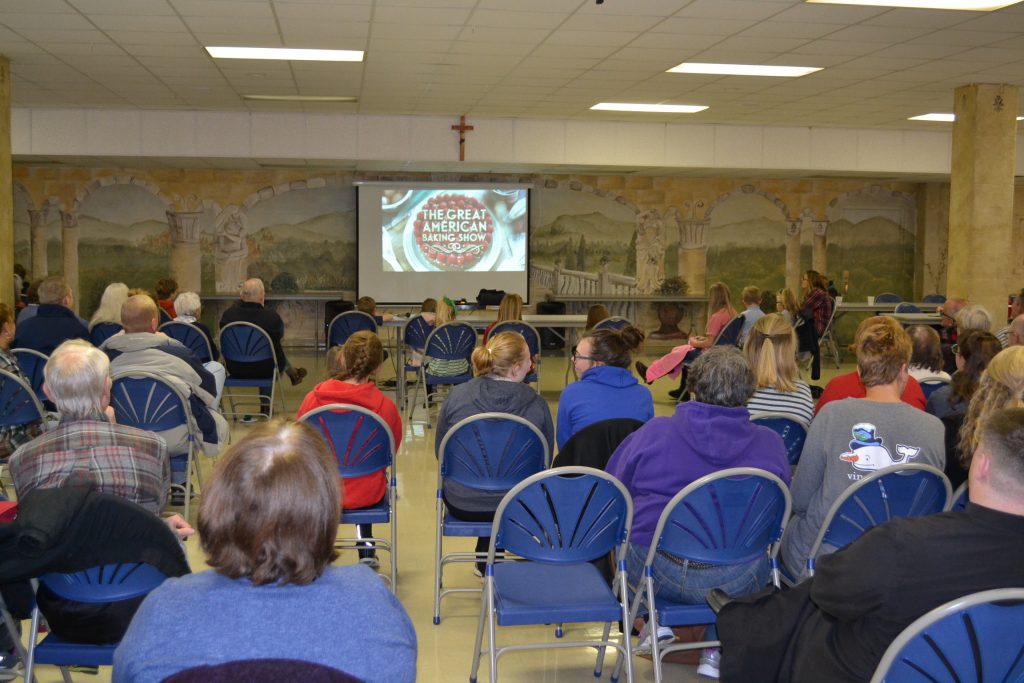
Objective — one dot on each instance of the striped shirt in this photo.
(124, 461)
(798, 405)
(1003, 336)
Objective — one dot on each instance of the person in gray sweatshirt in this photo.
(851, 438)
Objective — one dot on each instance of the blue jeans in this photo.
(680, 581)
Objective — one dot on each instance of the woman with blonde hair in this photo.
(109, 310)
(268, 521)
(510, 308)
(785, 304)
(771, 352)
(361, 356)
(439, 367)
(499, 367)
(1001, 386)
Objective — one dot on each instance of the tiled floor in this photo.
(445, 650)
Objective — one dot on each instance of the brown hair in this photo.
(614, 347)
(366, 304)
(771, 352)
(53, 290)
(6, 314)
(335, 361)
(927, 351)
(429, 306)
(1001, 386)
(501, 352)
(977, 349)
(270, 512)
(815, 280)
(165, 287)
(596, 314)
(363, 353)
(719, 297)
(510, 308)
(882, 349)
(751, 295)
(138, 313)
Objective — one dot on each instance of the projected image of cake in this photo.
(452, 232)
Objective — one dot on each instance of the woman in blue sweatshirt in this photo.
(606, 388)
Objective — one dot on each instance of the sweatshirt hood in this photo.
(717, 433)
(336, 391)
(138, 341)
(611, 376)
(495, 395)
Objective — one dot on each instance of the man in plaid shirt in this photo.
(87, 446)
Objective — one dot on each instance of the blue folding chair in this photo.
(558, 521)
(908, 490)
(958, 501)
(192, 337)
(532, 337)
(449, 342)
(148, 401)
(888, 298)
(362, 444)
(929, 386)
(344, 325)
(731, 517)
(19, 406)
(101, 332)
(792, 432)
(247, 343)
(973, 638)
(613, 322)
(730, 334)
(489, 452)
(32, 363)
(905, 307)
(107, 583)
(414, 337)
(827, 340)
(933, 299)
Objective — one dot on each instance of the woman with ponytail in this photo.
(361, 357)
(499, 367)
(606, 388)
(771, 352)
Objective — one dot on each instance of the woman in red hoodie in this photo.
(361, 357)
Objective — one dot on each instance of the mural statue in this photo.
(232, 253)
(650, 251)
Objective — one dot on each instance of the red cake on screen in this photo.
(453, 231)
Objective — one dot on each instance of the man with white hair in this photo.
(87, 447)
(252, 309)
(54, 321)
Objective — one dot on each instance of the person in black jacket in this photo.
(55, 322)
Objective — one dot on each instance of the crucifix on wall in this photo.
(462, 128)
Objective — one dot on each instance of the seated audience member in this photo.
(786, 305)
(189, 308)
(926, 357)
(166, 289)
(54, 321)
(440, 367)
(334, 361)
(948, 312)
(596, 314)
(606, 388)
(360, 358)
(109, 310)
(973, 352)
(1016, 309)
(510, 308)
(368, 305)
(857, 436)
(771, 352)
(720, 314)
(836, 626)
(251, 309)
(712, 432)
(499, 368)
(31, 302)
(142, 349)
(20, 284)
(267, 523)
(751, 297)
(973, 317)
(428, 311)
(1001, 386)
(86, 446)
(851, 385)
(14, 435)
(1014, 332)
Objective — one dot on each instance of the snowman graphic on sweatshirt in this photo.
(868, 452)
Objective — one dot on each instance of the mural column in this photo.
(232, 254)
(186, 260)
(37, 244)
(693, 253)
(69, 250)
(6, 186)
(819, 250)
(793, 256)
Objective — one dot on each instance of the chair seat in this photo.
(236, 382)
(530, 592)
(56, 650)
(453, 526)
(678, 614)
(433, 380)
(373, 514)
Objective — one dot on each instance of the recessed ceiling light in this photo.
(650, 108)
(974, 5)
(300, 98)
(945, 118)
(743, 69)
(285, 53)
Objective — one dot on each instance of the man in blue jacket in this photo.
(55, 322)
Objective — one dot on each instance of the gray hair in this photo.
(1017, 327)
(187, 303)
(973, 317)
(252, 289)
(721, 376)
(76, 377)
(53, 290)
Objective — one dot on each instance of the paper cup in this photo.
(839, 300)
(871, 301)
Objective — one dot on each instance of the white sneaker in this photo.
(665, 636)
(710, 661)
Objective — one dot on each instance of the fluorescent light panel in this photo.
(286, 53)
(743, 69)
(943, 117)
(300, 98)
(971, 5)
(650, 108)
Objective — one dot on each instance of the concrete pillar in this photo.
(793, 257)
(693, 253)
(981, 195)
(931, 244)
(39, 268)
(6, 187)
(69, 251)
(186, 260)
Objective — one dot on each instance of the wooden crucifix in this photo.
(462, 128)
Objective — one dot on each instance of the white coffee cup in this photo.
(871, 301)
(839, 300)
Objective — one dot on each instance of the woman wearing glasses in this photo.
(606, 388)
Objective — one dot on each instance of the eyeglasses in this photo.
(955, 349)
(576, 356)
